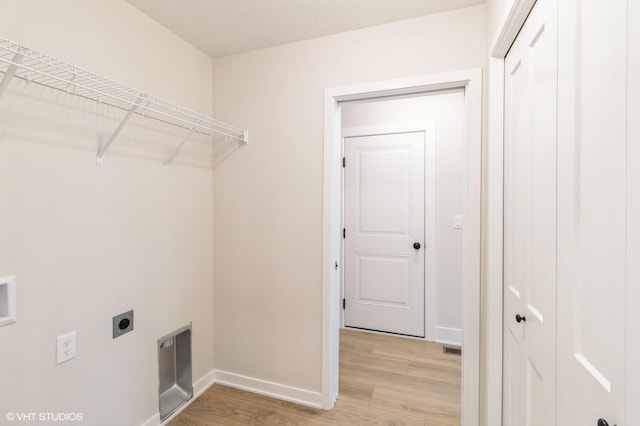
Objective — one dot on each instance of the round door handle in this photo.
(521, 318)
(416, 246)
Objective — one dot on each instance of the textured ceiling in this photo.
(224, 27)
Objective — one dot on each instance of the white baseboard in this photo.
(449, 336)
(274, 390)
(199, 388)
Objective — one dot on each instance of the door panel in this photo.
(592, 234)
(513, 380)
(384, 217)
(530, 221)
(383, 180)
(373, 272)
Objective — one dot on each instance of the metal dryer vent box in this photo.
(174, 368)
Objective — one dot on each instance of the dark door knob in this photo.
(603, 422)
(416, 246)
(521, 318)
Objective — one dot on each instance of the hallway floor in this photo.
(384, 380)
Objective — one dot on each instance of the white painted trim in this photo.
(492, 356)
(430, 264)
(331, 303)
(152, 421)
(199, 388)
(9, 284)
(449, 336)
(471, 81)
(511, 27)
(471, 253)
(271, 389)
(385, 129)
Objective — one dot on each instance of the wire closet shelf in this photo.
(32, 66)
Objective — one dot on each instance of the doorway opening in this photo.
(469, 82)
(402, 214)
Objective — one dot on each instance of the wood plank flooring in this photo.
(384, 380)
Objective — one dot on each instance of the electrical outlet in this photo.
(66, 345)
(122, 323)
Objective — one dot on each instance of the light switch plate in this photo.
(457, 221)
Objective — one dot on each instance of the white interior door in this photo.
(384, 232)
(593, 226)
(530, 222)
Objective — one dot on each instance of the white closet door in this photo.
(592, 213)
(530, 221)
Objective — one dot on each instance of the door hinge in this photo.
(344, 162)
(344, 232)
(344, 303)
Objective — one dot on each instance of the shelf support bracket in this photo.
(70, 86)
(11, 71)
(113, 136)
(176, 151)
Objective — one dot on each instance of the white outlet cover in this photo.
(66, 347)
(8, 300)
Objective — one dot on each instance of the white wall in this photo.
(268, 211)
(88, 242)
(447, 110)
(497, 11)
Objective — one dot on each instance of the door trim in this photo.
(492, 354)
(471, 82)
(511, 27)
(428, 127)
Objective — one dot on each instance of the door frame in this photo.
(428, 128)
(471, 82)
(492, 355)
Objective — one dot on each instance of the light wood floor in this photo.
(384, 380)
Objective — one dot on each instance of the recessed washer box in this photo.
(8, 314)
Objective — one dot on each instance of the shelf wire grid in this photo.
(33, 66)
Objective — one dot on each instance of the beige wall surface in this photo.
(268, 209)
(497, 11)
(87, 242)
